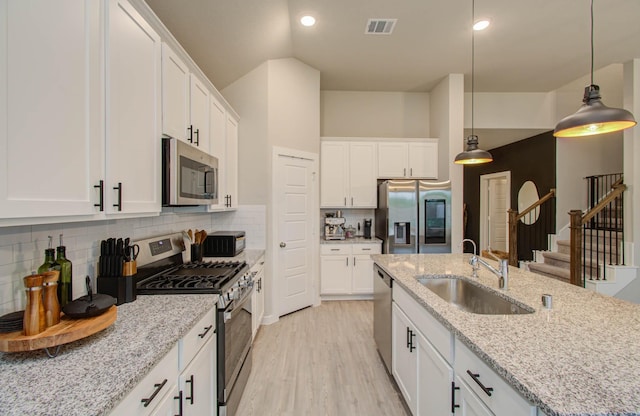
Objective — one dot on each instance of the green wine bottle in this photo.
(49, 259)
(66, 275)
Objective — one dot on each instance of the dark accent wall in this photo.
(532, 159)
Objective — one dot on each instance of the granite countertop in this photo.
(90, 376)
(580, 358)
(251, 256)
(353, 240)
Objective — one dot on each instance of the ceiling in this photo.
(532, 46)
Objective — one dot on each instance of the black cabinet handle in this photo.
(101, 203)
(408, 337)
(229, 201)
(411, 346)
(206, 329)
(197, 137)
(476, 378)
(354, 262)
(119, 189)
(454, 406)
(158, 387)
(190, 138)
(190, 381)
(179, 398)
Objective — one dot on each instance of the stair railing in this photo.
(514, 219)
(605, 216)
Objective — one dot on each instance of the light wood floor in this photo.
(320, 361)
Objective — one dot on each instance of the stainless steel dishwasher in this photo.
(382, 298)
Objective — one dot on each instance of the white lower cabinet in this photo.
(434, 392)
(257, 300)
(467, 402)
(183, 382)
(404, 358)
(154, 388)
(432, 382)
(347, 269)
(197, 383)
(170, 405)
(488, 386)
(423, 375)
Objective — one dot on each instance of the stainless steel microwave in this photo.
(189, 175)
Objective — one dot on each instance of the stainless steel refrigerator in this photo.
(414, 216)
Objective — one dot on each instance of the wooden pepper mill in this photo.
(34, 322)
(50, 298)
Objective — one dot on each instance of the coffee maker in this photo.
(334, 228)
(367, 228)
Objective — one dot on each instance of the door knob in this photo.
(283, 244)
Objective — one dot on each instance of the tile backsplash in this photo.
(22, 248)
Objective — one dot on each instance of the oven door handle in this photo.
(240, 302)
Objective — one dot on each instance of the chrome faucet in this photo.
(502, 272)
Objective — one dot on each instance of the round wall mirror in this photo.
(527, 196)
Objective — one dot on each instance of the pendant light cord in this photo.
(473, 54)
(591, 42)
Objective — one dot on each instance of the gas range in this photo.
(162, 271)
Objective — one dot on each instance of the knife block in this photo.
(123, 288)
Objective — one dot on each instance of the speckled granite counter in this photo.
(354, 240)
(90, 376)
(251, 256)
(580, 358)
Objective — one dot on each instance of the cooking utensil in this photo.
(89, 305)
(190, 234)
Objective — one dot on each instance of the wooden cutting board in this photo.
(66, 331)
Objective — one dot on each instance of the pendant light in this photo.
(593, 117)
(472, 155)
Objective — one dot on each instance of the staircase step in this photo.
(557, 259)
(564, 247)
(550, 271)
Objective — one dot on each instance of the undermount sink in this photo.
(471, 297)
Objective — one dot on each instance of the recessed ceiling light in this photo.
(308, 20)
(481, 24)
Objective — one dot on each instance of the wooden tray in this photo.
(66, 331)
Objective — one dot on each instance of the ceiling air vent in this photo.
(380, 26)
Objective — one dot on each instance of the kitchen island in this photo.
(90, 376)
(582, 357)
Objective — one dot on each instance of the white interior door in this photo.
(498, 214)
(296, 203)
(495, 201)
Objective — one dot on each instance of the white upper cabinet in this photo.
(185, 102)
(199, 128)
(175, 95)
(231, 164)
(133, 112)
(334, 174)
(218, 147)
(416, 159)
(347, 174)
(51, 140)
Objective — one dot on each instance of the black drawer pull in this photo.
(190, 381)
(158, 387)
(179, 398)
(101, 203)
(119, 189)
(476, 378)
(206, 329)
(454, 406)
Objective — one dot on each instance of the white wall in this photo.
(249, 97)
(22, 248)
(294, 105)
(511, 110)
(447, 114)
(632, 164)
(279, 106)
(374, 114)
(577, 158)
